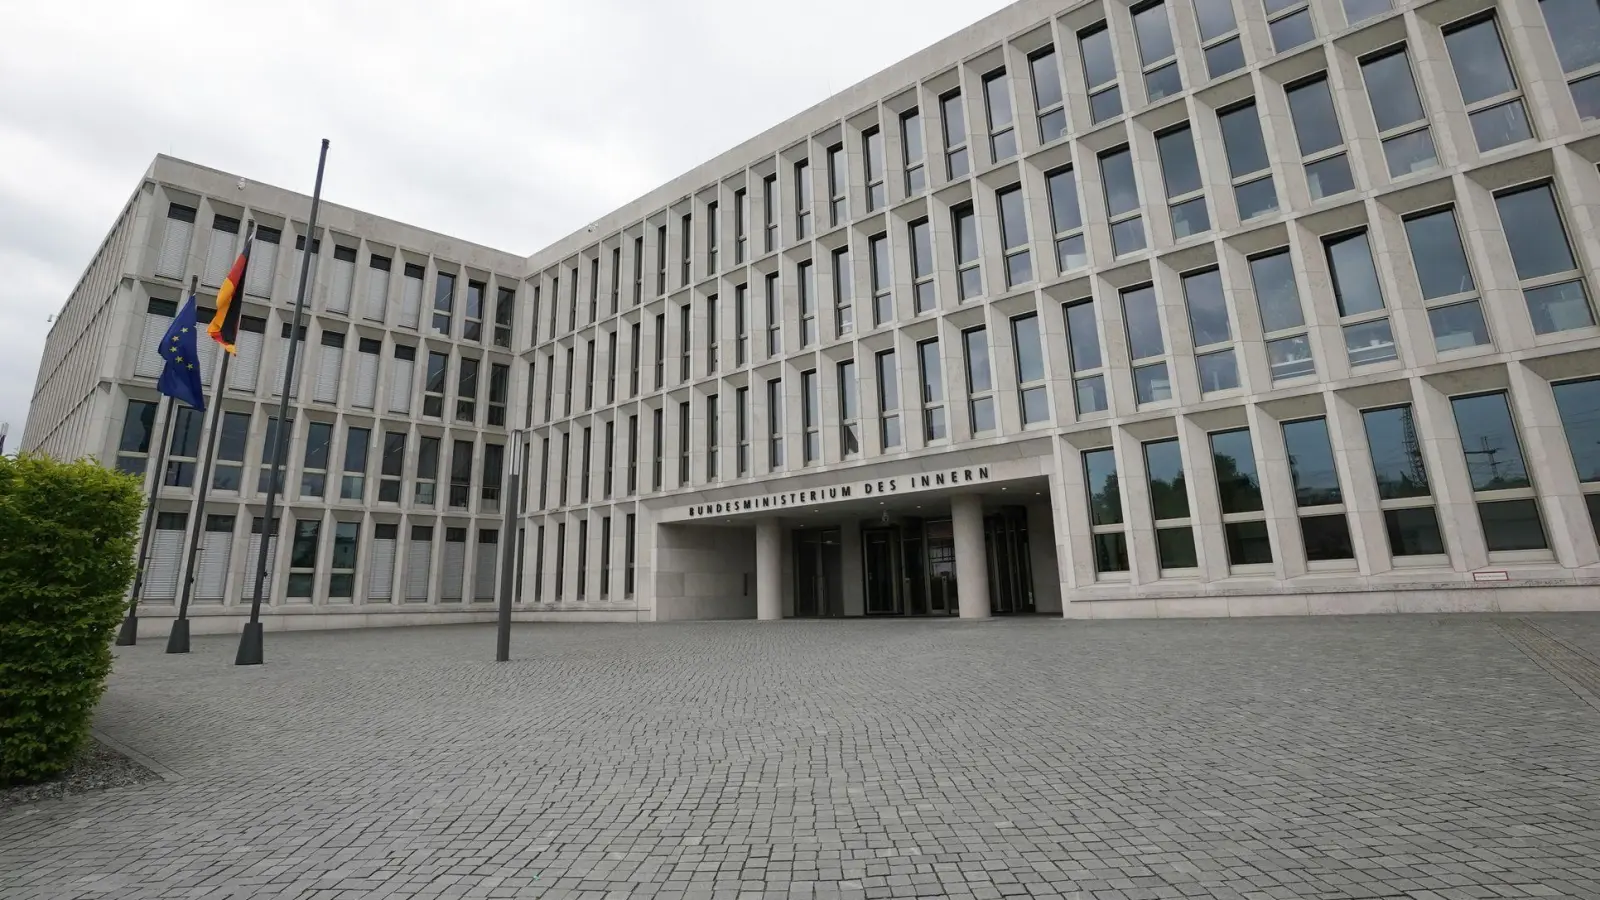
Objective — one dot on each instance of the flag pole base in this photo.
(129, 635)
(249, 645)
(178, 641)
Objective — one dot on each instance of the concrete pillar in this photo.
(769, 569)
(972, 569)
(853, 599)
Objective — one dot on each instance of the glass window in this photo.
(1277, 297)
(1247, 160)
(1066, 220)
(1169, 504)
(1100, 72)
(1543, 258)
(1355, 279)
(1035, 403)
(1487, 84)
(1574, 26)
(979, 382)
(1396, 453)
(1290, 357)
(1292, 29)
(1218, 371)
(969, 272)
(1014, 236)
(1105, 511)
(1397, 108)
(1507, 508)
(1143, 316)
(922, 266)
(954, 117)
(1153, 31)
(888, 399)
(1208, 307)
(997, 97)
(911, 149)
(1359, 10)
(1047, 96)
(1181, 172)
(1122, 201)
(1239, 490)
(929, 368)
(1311, 463)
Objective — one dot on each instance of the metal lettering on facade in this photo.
(875, 487)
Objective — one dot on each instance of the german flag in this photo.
(224, 327)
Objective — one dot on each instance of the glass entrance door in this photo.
(880, 557)
(939, 538)
(1005, 543)
(819, 577)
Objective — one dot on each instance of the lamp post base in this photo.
(249, 646)
(129, 635)
(178, 641)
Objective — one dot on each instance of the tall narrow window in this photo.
(844, 319)
(980, 381)
(608, 462)
(1048, 100)
(838, 187)
(1488, 87)
(461, 475)
(1152, 383)
(1157, 55)
(561, 560)
(585, 452)
(426, 487)
(1066, 220)
(1211, 330)
(493, 472)
(811, 416)
(1446, 279)
(1402, 121)
(1122, 201)
(1368, 338)
(741, 419)
(616, 280)
(1404, 493)
(1002, 122)
(472, 321)
(808, 304)
(872, 159)
(741, 226)
(1324, 527)
(633, 455)
(1507, 504)
(1247, 161)
(638, 270)
(1106, 529)
(713, 423)
(713, 345)
(1169, 505)
(1244, 523)
(353, 483)
(775, 424)
(174, 258)
(802, 199)
(882, 279)
(683, 443)
(911, 148)
(661, 351)
(953, 116)
(1551, 282)
(228, 475)
(1282, 319)
(605, 557)
(611, 367)
(1316, 128)
(571, 370)
(1180, 172)
(444, 293)
(303, 557)
(1219, 36)
(564, 474)
(774, 303)
(1574, 26)
(1289, 22)
(713, 238)
(741, 325)
(342, 563)
(628, 537)
(505, 306)
(969, 270)
(1577, 402)
(658, 446)
(1014, 236)
(1033, 400)
(1083, 352)
(661, 260)
(932, 377)
(467, 390)
(544, 473)
(686, 250)
(314, 472)
(922, 266)
(685, 340)
(1100, 73)
(769, 207)
(1360, 10)
(849, 410)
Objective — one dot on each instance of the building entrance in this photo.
(909, 569)
(1005, 540)
(819, 573)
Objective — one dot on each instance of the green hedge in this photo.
(67, 542)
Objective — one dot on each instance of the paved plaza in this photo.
(1376, 757)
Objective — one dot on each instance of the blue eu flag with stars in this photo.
(181, 377)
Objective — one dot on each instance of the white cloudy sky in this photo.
(506, 122)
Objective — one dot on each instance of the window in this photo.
(658, 441)
(1549, 276)
(1083, 350)
(741, 227)
(444, 292)
(633, 455)
(802, 199)
(609, 460)
(467, 390)
(174, 258)
(810, 417)
(1142, 315)
(570, 369)
(1402, 121)
(183, 447)
(1211, 330)
(353, 486)
(1360, 10)
(1244, 523)
(138, 427)
(1156, 52)
(1014, 236)
(634, 342)
(1289, 22)
(980, 383)
(564, 472)
(849, 410)
(969, 270)
(594, 289)
(1100, 73)
(461, 475)
(922, 266)
(1033, 400)
(1578, 402)
(229, 472)
(1316, 128)
(1106, 537)
(627, 554)
(269, 450)
(741, 419)
(493, 470)
(572, 315)
(912, 151)
(544, 473)
(1048, 99)
(954, 118)
(661, 351)
(1574, 26)
(1002, 122)
(769, 207)
(391, 467)
(433, 388)
(775, 423)
(605, 557)
(808, 305)
(1504, 492)
(584, 454)
(314, 471)
(561, 559)
(685, 340)
(1169, 505)
(713, 238)
(472, 325)
(342, 564)
(928, 366)
(1367, 337)
(741, 324)
(1488, 87)
(774, 304)
(303, 557)
(1404, 494)
(638, 270)
(844, 319)
(616, 279)
(1122, 201)
(1247, 161)
(223, 250)
(882, 279)
(1219, 36)
(888, 400)
(683, 443)
(428, 472)
(661, 260)
(1446, 280)
(838, 187)
(1066, 220)
(1282, 320)
(611, 373)
(505, 306)
(534, 337)
(1324, 527)
(1180, 173)
(713, 422)
(872, 156)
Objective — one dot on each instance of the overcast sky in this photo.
(509, 123)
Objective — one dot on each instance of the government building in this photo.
(1096, 309)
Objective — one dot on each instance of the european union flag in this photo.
(181, 377)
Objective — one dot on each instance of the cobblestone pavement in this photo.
(1377, 757)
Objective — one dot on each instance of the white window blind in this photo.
(343, 280)
(380, 574)
(250, 565)
(366, 389)
(175, 242)
(208, 353)
(483, 573)
(283, 366)
(246, 367)
(221, 253)
(329, 364)
(263, 264)
(377, 289)
(411, 297)
(216, 548)
(161, 572)
(400, 378)
(419, 561)
(454, 564)
(149, 362)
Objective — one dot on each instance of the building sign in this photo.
(899, 484)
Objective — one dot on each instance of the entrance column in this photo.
(769, 569)
(972, 569)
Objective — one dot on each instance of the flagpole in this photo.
(178, 640)
(129, 635)
(250, 642)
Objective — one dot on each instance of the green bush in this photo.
(67, 537)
